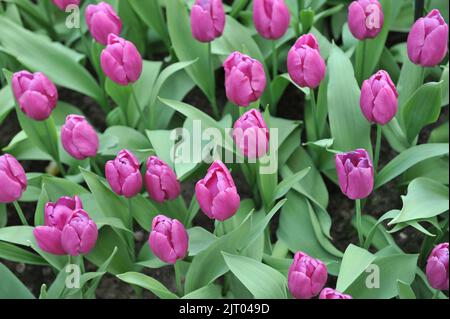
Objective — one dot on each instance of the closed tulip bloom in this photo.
(35, 94)
(437, 267)
(251, 134)
(305, 65)
(48, 239)
(306, 277)
(271, 18)
(79, 138)
(168, 239)
(216, 193)
(355, 173)
(161, 181)
(328, 293)
(62, 4)
(123, 174)
(121, 61)
(207, 20)
(245, 79)
(57, 214)
(79, 235)
(378, 99)
(102, 20)
(428, 40)
(365, 19)
(12, 178)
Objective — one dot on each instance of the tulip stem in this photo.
(377, 148)
(136, 102)
(359, 222)
(360, 53)
(274, 60)
(212, 97)
(313, 117)
(20, 213)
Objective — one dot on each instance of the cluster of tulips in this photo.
(68, 229)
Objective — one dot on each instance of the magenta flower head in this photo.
(305, 65)
(306, 277)
(378, 99)
(123, 174)
(328, 293)
(121, 61)
(102, 20)
(12, 178)
(437, 267)
(79, 235)
(168, 239)
(161, 181)
(35, 94)
(63, 4)
(355, 173)
(365, 19)
(245, 79)
(207, 20)
(57, 214)
(79, 138)
(271, 18)
(428, 40)
(217, 194)
(251, 134)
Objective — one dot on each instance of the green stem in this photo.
(55, 156)
(313, 121)
(360, 61)
(51, 22)
(377, 148)
(136, 102)
(274, 60)
(212, 97)
(359, 222)
(20, 213)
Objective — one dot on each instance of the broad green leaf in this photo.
(261, 280)
(12, 287)
(411, 78)
(19, 255)
(6, 102)
(199, 240)
(286, 184)
(148, 283)
(90, 293)
(116, 138)
(211, 291)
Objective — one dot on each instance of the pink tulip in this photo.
(49, 239)
(216, 193)
(305, 65)
(437, 267)
(328, 293)
(79, 138)
(63, 4)
(428, 40)
(306, 277)
(251, 134)
(121, 61)
(271, 18)
(79, 235)
(245, 79)
(161, 181)
(365, 19)
(12, 178)
(102, 20)
(168, 239)
(57, 214)
(123, 174)
(355, 173)
(35, 94)
(379, 98)
(207, 20)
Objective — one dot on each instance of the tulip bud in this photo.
(271, 18)
(102, 20)
(428, 40)
(78, 137)
(168, 239)
(207, 20)
(305, 65)
(328, 293)
(161, 181)
(121, 61)
(13, 179)
(365, 19)
(251, 134)
(48, 239)
(123, 174)
(79, 235)
(245, 79)
(306, 277)
(378, 99)
(355, 173)
(217, 194)
(63, 4)
(35, 94)
(57, 214)
(437, 267)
